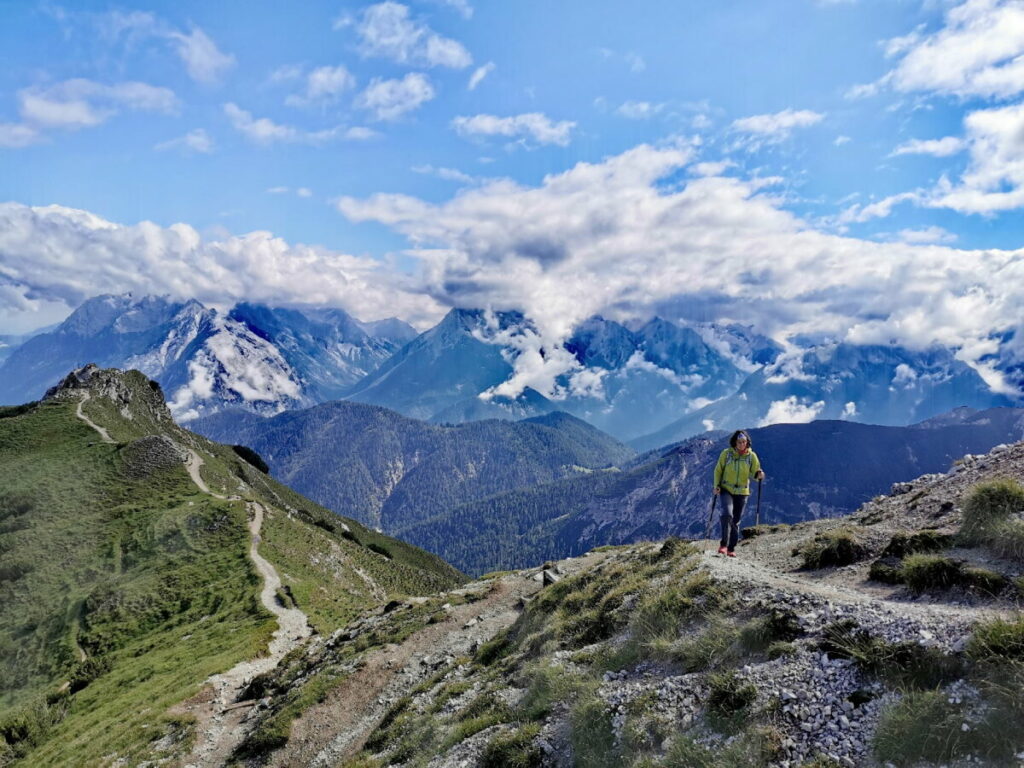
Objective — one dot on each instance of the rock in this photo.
(550, 577)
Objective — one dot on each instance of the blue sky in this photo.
(849, 168)
(570, 61)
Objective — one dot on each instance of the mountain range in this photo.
(265, 359)
(650, 383)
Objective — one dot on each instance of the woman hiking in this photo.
(737, 464)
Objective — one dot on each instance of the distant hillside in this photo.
(391, 472)
(821, 469)
(124, 585)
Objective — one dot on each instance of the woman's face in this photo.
(741, 443)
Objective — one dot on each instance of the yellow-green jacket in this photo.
(733, 471)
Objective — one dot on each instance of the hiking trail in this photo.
(218, 718)
(78, 412)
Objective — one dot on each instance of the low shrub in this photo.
(779, 649)
(991, 502)
(997, 641)
(380, 550)
(832, 548)
(251, 457)
(921, 726)
(903, 544)
(593, 738)
(925, 573)
(887, 570)
(729, 695)
(513, 750)
(904, 664)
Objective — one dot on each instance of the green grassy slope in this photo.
(123, 586)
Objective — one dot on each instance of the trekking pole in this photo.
(711, 517)
(757, 516)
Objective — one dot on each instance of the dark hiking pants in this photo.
(732, 511)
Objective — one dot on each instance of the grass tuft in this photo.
(921, 726)
(513, 750)
(832, 548)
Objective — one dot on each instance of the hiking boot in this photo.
(721, 550)
(730, 554)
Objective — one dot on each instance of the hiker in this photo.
(737, 464)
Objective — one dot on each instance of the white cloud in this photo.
(711, 168)
(79, 103)
(926, 235)
(323, 84)
(390, 99)
(360, 133)
(994, 178)
(950, 145)
(979, 52)
(56, 254)
(286, 73)
(448, 174)
(761, 130)
(386, 30)
(533, 125)
(194, 141)
(204, 61)
(639, 110)
(260, 130)
(792, 411)
(607, 238)
(265, 131)
(850, 410)
(904, 376)
(462, 6)
(879, 209)
(636, 62)
(304, 192)
(479, 74)
(17, 135)
(840, 140)
(278, 190)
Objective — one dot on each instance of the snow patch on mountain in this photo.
(235, 365)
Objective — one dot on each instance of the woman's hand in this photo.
(717, 490)
(759, 475)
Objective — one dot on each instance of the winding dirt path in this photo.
(78, 412)
(219, 720)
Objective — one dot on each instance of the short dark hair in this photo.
(737, 435)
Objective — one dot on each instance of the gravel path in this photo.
(219, 723)
(78, 412)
